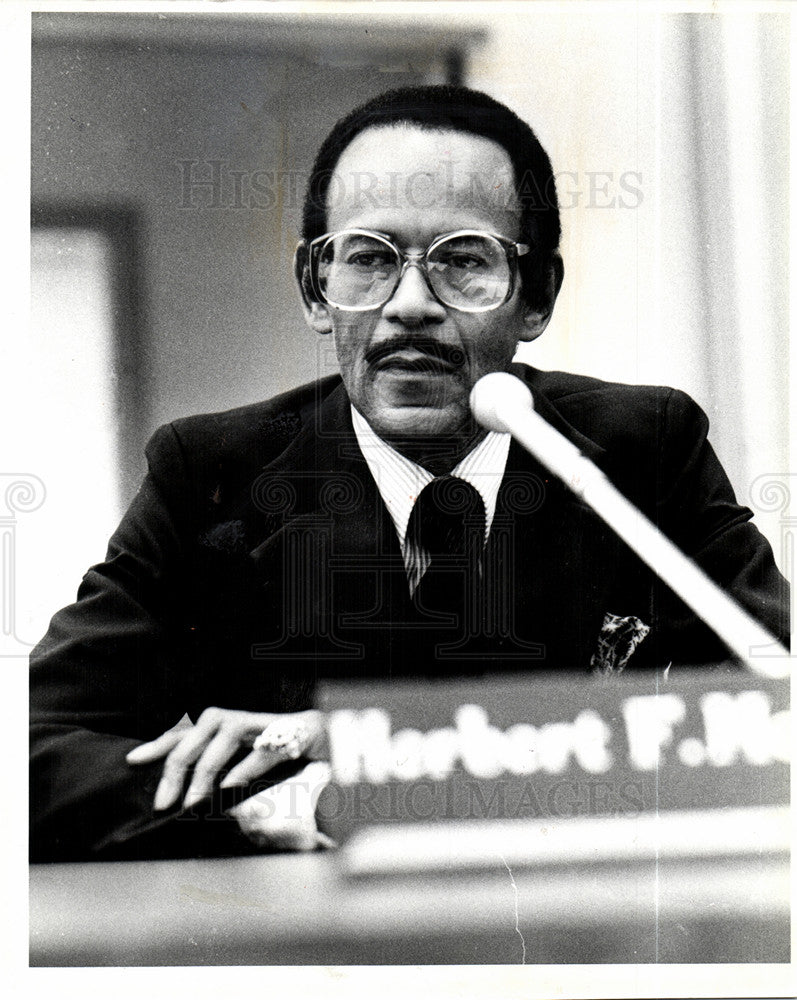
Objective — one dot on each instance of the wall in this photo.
(670, 132)
(130, 114)
(136, 111)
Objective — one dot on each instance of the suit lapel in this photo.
(550, 412)
(321, 478)
(553, 561)
(329, 563)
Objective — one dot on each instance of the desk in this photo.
(696, 872)
(300, 909)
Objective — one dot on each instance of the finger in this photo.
(189, 748)
(255, 764)
(298, 734)
(318, 746)
(145, 753)
(294, 734)
(223, 745)
(284, 815)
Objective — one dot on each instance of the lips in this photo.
(416, 355)
(413, 362)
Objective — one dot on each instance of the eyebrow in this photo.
(472, 230)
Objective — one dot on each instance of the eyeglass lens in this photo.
(357, 270)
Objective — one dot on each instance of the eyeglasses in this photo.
(470, 270)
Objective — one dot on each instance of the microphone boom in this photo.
(501, 402)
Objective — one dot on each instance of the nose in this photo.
(413, 301)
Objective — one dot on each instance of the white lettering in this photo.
(521, 749)
(360, 746)
(591, 736)
(440, 752)
(480, 743)
(555, 747)
(649, 722)
(737, 723)
(407, 755)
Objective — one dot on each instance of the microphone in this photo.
(501, 402)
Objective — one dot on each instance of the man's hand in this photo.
(218, 735)
(283, 816)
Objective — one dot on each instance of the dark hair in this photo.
(453, 107)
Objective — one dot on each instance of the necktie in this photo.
(448, 522)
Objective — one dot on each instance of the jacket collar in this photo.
(322, 477)
(322, 481)
(548, 409)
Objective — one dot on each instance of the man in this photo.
(280, 543)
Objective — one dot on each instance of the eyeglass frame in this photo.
(512, 249)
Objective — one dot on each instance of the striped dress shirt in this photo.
(400, 481)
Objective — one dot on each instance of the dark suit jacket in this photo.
(258, 556)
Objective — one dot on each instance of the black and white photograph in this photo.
(397, 510)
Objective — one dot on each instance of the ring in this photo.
(278, 737)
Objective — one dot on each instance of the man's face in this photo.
(409, 365)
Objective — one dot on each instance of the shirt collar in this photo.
(400, 480)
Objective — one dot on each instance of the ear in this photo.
(538, 316)
(316, 313)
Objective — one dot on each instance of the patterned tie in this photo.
(448, 521)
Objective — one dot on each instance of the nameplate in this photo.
(556, 747)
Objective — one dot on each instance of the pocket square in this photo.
(617, 641)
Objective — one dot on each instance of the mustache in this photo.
(434, 350)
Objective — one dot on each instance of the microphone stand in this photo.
(502, 402)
